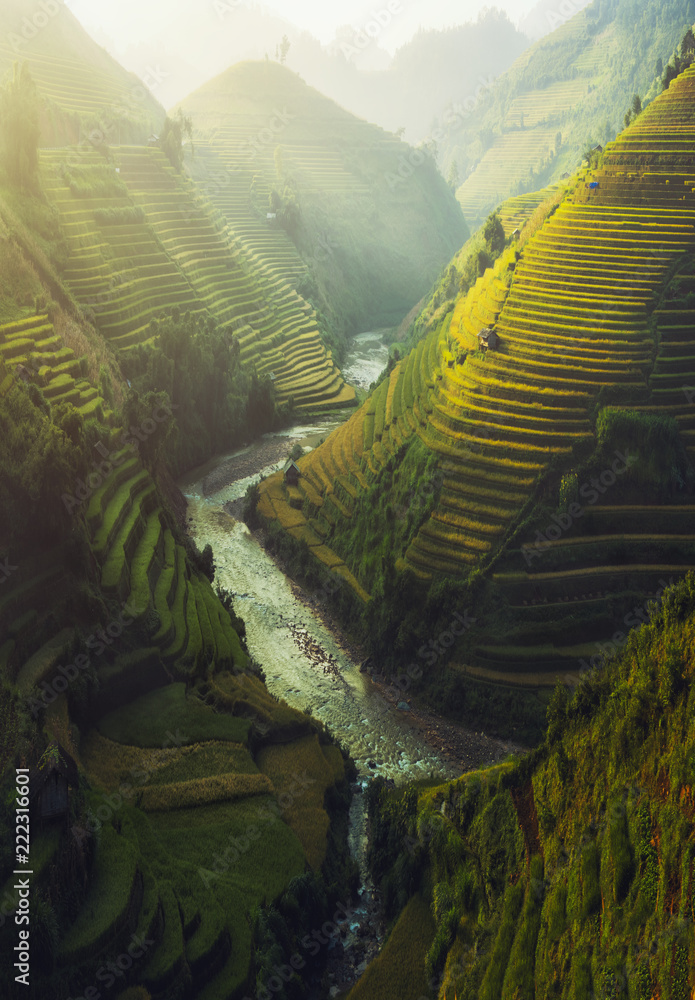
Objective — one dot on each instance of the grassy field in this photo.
(167, 715)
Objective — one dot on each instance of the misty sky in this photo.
(127, 22)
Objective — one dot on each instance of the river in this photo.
(303, 660)
(283, 632)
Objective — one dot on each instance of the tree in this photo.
(172, 138)
(284, 49)
(688, 45)
(669, 75)
(493, 233)
(20, 131)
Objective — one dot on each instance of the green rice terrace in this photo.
(31, 345)
(145, 243)
(336, 189)
(181, 745)
(482, 451)
(82, 87)
(438, 669)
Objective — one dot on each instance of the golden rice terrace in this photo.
(593, 307)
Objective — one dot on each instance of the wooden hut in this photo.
(487, 339)
(292, 473)
(50, 783)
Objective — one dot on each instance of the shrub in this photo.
(653, 438)
(120, 216)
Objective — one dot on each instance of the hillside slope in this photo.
(465, 462)
(568, 874)
(371, 219)
(121, 666)
(141, 241)
(82, 86)
(566, 93)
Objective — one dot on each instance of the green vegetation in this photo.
(147, 721)
(527, 516)
(87, 96)
(567, 93)
(87, 527)
(611, 783)
(217, 403)
(327, 176)
(398, 970)
(154, 247)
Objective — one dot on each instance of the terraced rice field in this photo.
(80, 86)
(540, 106)
(153, 246)
(575, 312)
(513, 155)
(30, 346)
(235, 164)
(514, 212)
(201, 838)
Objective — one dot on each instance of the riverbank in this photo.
(460, 746)
(264, 452)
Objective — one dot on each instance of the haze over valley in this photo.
(347, 500)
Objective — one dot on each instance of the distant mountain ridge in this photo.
(568, 91)
(372, 219)
(86, 89)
